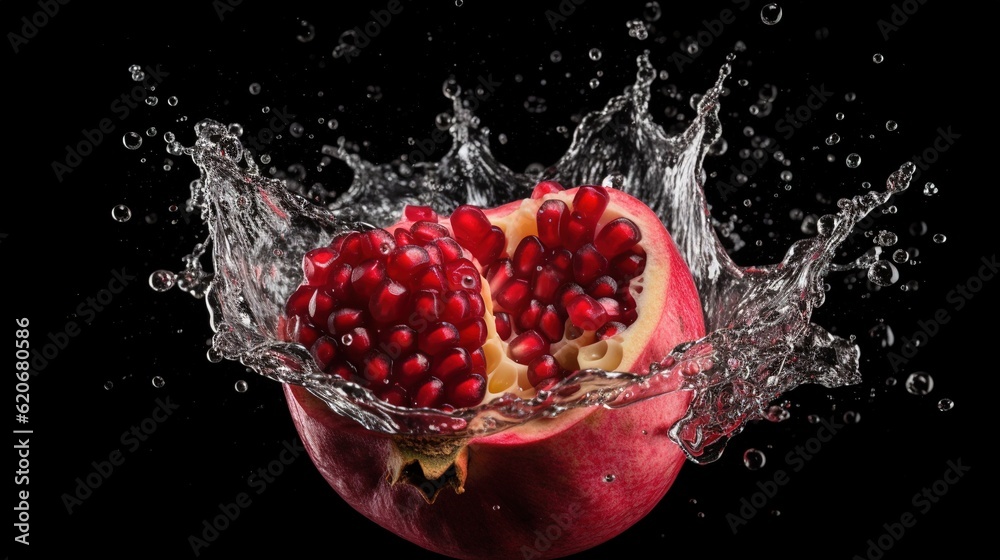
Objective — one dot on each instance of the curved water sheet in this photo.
(761, 341)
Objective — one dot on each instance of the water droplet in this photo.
(939, 238)
(468, 282)
(158, 382)
(882, 334)
(496, 508)
(839, 116)
(883, 273)
(832, 139)
(296, 130)
(152, 100)
(853, 160)
(877, 58)
(241, 386)
(458, 3)
(332, 124)
(347, 340)
(944, 405)
(613, 181)
(900, 256)
(786, 175)
(886, 238)
(919, 383)
(132, 140)
(594, 83)
(891, 125)
(652, 11)
(265, 158)
(609, 478)
(108, 385)
(776, 413)
(595, 54)
(754, 459)
(852, 417)
(535, 104)
(826, 224)
(637, 29)
(121, 213)
(168, 137)
(162, 280)
(770, 14)
(555, 56)
(930, 189)
(172, 101)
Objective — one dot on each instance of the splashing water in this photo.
(761, 342)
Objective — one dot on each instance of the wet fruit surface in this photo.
(449, 312)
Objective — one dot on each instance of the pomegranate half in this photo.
(450, 313)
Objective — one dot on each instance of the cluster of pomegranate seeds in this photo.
(401, 313)
(569, 270)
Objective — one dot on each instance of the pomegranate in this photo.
(452, 312)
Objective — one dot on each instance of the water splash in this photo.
(761, 341)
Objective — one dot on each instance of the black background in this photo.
(61, 246)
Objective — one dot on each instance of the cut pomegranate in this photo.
(454, 311)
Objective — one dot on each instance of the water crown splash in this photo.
(761, 340)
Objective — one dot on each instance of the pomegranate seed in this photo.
(526, 347)
(463, 275)
(629, 314)
(565, 294)
(562, 260)
(389, 302)
(586, 313)
(430, 394)
(316, 265)
(298, 302)
(542, 368)
(490, 247)
(529, 317)
(451, 365)
(356, 343)
(590, 202)
(432, 278)
(437, 338)
(617, 236)
(611, 307)
(605, 286)
(376, 368)
(528, 256)
(324, 350)
(366, 277)
(428, 231)
(407, 260)
(478, 360)
(343, 320)
(610, 329)
(588, 264)
(551, 324)
(411, 370)
(503, 324)
(320, 306)
(434, 254)
(450, 249)
(546, 282)
(415, 213)
(468, 392)
(470, 224)
(544, 188)
(472, 333)
(549, 217)
(399, 340)
(629, 265)
(477, 307)
(339, 281)
(344, 370)
(403, 237)
(499, 274)
(299, 330)
(351, 248)
(455, 306)
(337, 242)
(514, 296)
(394, 395)
(427, 306)
(377, 243)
